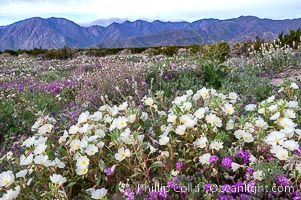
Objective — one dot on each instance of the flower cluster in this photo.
(203, 137)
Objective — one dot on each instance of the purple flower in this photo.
(226, 188)
(239, 187)
(227, 162)
(249, 170)
(162, 193)
(72, 114)
(129, 194)
(143, 83)
(213, 158)
(166, 77)
(208, 187)
(244, 155)
(140, 107)
(282, 181)
(179, 165)
(298, 151)
(173, 66)
(108, 171)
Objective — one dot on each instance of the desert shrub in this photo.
(61, 54)
(172, 79)
(273, 57)
(247, 80)
(11, 52)
(292, 39)
(169, 50)
(214, 73)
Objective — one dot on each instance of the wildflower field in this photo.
(193, 125)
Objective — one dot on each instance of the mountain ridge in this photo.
(54, 32)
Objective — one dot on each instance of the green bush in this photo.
(291, 39)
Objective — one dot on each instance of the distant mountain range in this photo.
(58, 32)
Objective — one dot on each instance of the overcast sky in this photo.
(82, 11)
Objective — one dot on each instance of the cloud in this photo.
(90, 10)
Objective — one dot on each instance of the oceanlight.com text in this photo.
(213, 188)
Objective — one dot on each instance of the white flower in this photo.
(261, 111)
(37, 124)
(294, 86)
(149, 101)
(40, 159)
(91, 150)
(97, 116)
(230, 125)
(121, 122)
(275, 116)
(59, 163)
(289, 132)
(26, 160)
(286, 122)
(164, 139)
(83, 117)
(75, 145)
(6, 178)
(22, 173)
(290, 145)
(298, 131)
(216, 145)
(100, 133)
(73, 129)
(214, 120)
(46, 128)
(239, 133)
(81, 170)
(235, 166)
(204, 159)
(58, 179)
(201, 142)
(63, 138)
(233, 95)
(123, 106)
(186, 106)
(228, 109)
(289, 113)
(40, 149)
(29, 141)
(180, 130)
(292, 104)
(11, 194)
(144, 116)
(250, 107)
(271, 99)
(200, 113)
(247, 137)
(132, 118)
(273, 108)
(99, 193)
(204, 92)
(122, 154)
(275, 138)
(172, 118)
(126, 137)
(82, 162)
(258, 175)
(85, 128)
(260, 123)
(282, 154)
(276, 149)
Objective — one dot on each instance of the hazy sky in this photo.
(82, 11)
